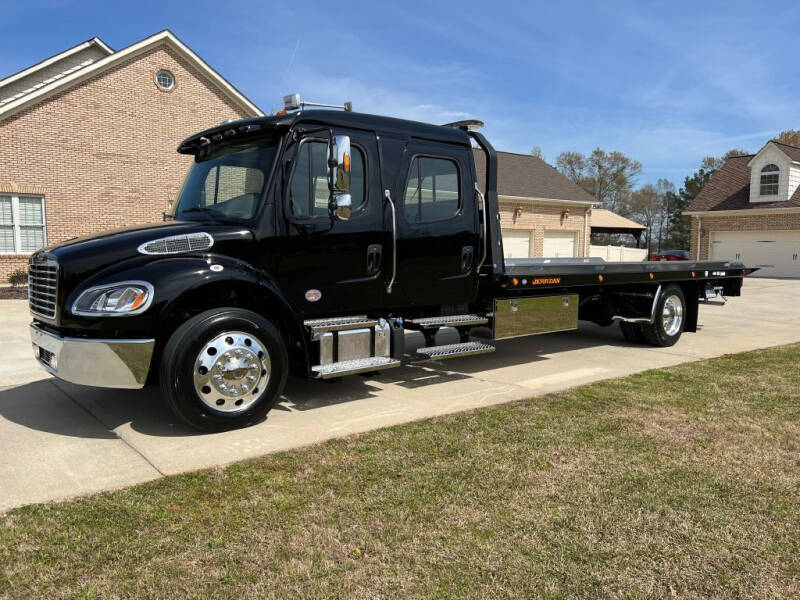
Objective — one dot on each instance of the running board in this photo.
(445, 321)
(320, 326)
(350, 367)
(454, 350)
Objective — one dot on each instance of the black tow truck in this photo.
(309, 242)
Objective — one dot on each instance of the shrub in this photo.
(18, 278)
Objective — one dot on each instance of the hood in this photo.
(84, 256)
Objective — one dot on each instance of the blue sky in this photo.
(664, 82)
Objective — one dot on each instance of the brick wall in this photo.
(775, 221)
(545, 217)
(102, 153)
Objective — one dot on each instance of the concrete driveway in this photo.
(59, 440)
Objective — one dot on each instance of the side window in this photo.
(308, 189)
(432, 190)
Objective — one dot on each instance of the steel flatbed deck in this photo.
(543, 273)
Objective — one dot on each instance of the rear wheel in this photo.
(670, 318)
(223, 369)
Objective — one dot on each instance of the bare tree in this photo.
(537, 152)
(789, 136)
(608, 176)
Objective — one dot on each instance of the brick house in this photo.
(750, 211)
(88, 138)
(542, 212)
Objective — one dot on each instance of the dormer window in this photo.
(769, 180)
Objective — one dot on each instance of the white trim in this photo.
(502, 197)
(129, 52)
(743, 212)
(61, 55)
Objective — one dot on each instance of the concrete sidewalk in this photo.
(59, 440)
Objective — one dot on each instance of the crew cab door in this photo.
(437, 226)
(342, 260)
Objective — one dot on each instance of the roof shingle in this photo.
(528, 176)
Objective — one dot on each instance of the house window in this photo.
(769, 180)
(22, 228)
(165, 80)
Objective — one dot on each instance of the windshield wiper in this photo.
(215, 217)
(201, 209)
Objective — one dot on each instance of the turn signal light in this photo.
(515, 281)
(600, 278)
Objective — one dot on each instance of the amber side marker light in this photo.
(599, 278)
(139, 300)
(515, 281)
(652, 276)
(692, 273)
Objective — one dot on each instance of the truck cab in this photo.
(309, 242)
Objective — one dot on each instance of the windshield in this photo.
(227, 185)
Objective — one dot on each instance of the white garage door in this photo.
(559, 244)
(775, 253)
(517, 243)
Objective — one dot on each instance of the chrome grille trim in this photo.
(43, 287)
(178, 244)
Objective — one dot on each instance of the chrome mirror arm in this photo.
(388, 195)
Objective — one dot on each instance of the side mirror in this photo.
(339, 177)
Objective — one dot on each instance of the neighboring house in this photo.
(542, 212)
(89, 138)
(750, 211)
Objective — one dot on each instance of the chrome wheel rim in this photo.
(232, 372)
(672, 315)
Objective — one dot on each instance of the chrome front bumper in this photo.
(101, 363)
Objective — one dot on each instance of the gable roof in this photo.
(729, 189)
(605, 219)
(61, 56)
(528, 176)
(791, 152)
(73, 76)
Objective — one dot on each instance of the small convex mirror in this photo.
(344, 207)
(339, 177)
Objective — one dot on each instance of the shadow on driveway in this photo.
(41, 405)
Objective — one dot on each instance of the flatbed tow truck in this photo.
(309, 242)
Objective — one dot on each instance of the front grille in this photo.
(43, 288)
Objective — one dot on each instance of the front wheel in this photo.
(223, 369)
(670, 318)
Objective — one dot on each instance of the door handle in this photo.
(374, 255)
(467, 253)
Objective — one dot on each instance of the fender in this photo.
(186, 285)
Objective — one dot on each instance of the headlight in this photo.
(116, 299)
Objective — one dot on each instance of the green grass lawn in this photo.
(680, 482)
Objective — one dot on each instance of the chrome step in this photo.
(454, 350)
(318, 326)
(445, 321)
(350, 367)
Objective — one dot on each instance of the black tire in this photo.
(178, 363)
(656, 333)
(632, 332)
